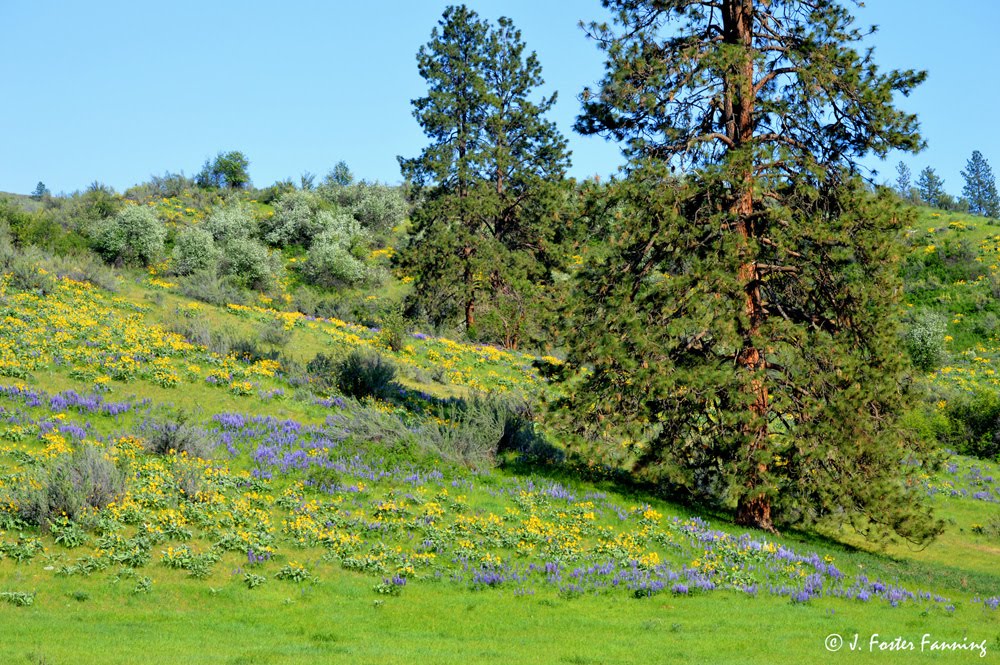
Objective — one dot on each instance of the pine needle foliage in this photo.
(741, 329)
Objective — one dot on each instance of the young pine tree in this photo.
(980, 187)
(931, 188)
(903, 180)
(487, 179)
(742, 324)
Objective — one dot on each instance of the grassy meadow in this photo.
(258, 519)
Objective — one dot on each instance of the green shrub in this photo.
(250, 264)
(336, 257)
(991, 529)
(276, 191)
(296, 220)
(194, 251)
(176, 434)
(974, 421)
(377, 207)
(229, 170)
(331, 266)
(924, 340)
(478, 431)
(85, 478)
(230, 222)
(134, 236)
(209, 287)
(170, 185)
(393, 330)
(367, 375)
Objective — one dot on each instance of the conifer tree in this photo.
(980, 187)
(903, 180)
(40, 192)
(486, 178)
(931, 188)
(741, 328)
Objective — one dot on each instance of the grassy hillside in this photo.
(235, 511)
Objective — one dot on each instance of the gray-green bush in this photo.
(176, 434)
(250, 264)
(361, 374)
(296, 220)
(478, 431)
(133, 236)
(194, 250)
(86, 478)
(207, 286)
(230, 222)
(336, 257)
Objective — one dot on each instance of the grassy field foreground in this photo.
(279, 526)
(338, 621)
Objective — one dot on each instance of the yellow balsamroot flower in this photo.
(649, 560)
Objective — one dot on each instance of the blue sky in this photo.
(118, 91)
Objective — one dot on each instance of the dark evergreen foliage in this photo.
(931, 188)
(980, 187)
(740, 331)
(488, 180)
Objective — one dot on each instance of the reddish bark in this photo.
(754, 508)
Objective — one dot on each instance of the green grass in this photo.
(339, 620)
(440, 617)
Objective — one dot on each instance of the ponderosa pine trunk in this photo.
(754, 507)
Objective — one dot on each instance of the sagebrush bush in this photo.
(275, 335)
(84, 267)
(251, 350)
(199, 331)
(27, 273)
(322, 372)
(367, 375)
(176, 434)
(208, 287)
(85, 478)
(133, 236)
(476, 432)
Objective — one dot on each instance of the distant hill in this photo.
(23, 200)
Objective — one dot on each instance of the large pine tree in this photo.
(742, 325)
(488, 179)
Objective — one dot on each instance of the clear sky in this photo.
(116, 91)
